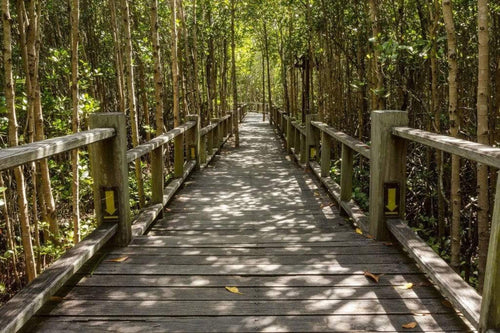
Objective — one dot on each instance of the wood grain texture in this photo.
(15, 156)
(19, 309)
(255, 221)
(467, 149)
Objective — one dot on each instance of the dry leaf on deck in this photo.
(234, 290)
(56, 298)
(407, 286)
(387, 243)
(372, 276)
(410, 325)
(121, 259)
(359, 231)
(447, 304)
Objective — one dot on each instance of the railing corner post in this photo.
(387, 169)
(490, 305)
(309, 139)
(108, 160)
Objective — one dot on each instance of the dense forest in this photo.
(158, 61)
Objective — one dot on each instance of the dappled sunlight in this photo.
(255, 221)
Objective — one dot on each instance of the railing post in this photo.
(296, 137)
(490, 305)
(108, 160)
(157, 178)
(303, 145)
(325, 154)
(230, 123)
(311, 139)
(210, 142)
(387, 167)
(179, 156)
(346, 171)
(216, 136)
(193, 140)
(289, 135)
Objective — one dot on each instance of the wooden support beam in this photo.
(346, 172)
(108, 161)
(289, 134)
(387, 165)
(326, 147)
(490, 306)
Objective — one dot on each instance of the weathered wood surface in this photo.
(15, 313)
(297, 269)
(463, 296)
(467, 149)
(14, 156)
(145, 148)
(354, 144)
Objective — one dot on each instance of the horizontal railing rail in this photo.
(387, 155)
(19, 155)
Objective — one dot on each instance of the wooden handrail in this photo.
(15, 156)
(145, 148)
(470, 150)
(19, 309)
(353, 143)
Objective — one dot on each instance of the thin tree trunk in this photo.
(11, 243)
(236, 117)
(13, 141)
(132, 106)
(266, 45)
(483, 81)
(175, 70)
(75, 17)
(263, 86)
(158, 75)
(378, 102)
(454, 126)
(120, 81)
(435, 110)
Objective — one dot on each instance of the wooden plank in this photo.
(305, 280)
(272, 269)
(242, 239)
(19, 309)
(467, 149)
(461, 295)
(15, 156)
(254, 308)
(285, 259)
(248, 293)
(145, 148)
(272, 251)
(353, 143)
(328, 323)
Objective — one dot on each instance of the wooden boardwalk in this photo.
(256, 221)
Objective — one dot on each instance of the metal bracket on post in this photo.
(108, 162)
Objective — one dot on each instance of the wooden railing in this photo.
(109, 160)
(387, 156)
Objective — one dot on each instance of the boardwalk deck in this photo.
(255, 221)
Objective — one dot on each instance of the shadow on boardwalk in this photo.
(255, 221)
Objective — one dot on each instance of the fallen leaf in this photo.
(410, 325)
(359, 231)
(168, 210)
(447, 304)
(56, 299)
(316, 193)
(234, 290)
(408, 286)
(372, 276)
(387, 243)
(121, 259)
